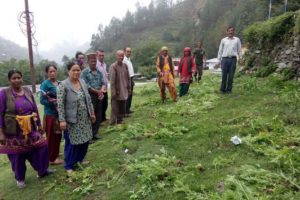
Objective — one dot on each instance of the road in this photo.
(137, 84)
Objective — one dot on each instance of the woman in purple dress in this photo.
(20, 130)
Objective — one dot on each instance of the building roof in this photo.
(213, 60)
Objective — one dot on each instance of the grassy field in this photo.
(182, 150)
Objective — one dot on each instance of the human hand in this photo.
(100, 95)
(161, 74)
(63, 125)
(99, 92)
(93, 118)
(40, 129)
(52, 100)
(2, 137)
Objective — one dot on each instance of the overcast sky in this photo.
(62, 20)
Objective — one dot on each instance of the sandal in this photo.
(21, 184)
(57, 162)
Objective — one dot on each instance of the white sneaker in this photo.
(21, 184)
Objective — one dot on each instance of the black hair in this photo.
(70, 65)
(126, 48)
(12, 72)
(48, 67)
(78, 53)
(100, 50)
(230, 27)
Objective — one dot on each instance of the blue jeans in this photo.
(228, 66)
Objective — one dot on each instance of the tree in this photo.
(145, 53)
(128, 21)
(65, 59)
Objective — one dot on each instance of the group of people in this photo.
(75, 107)
(192, 65)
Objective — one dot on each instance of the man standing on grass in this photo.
(93, 78)
(229, 50)
(200, 58)
(127, 61)
(120, 88)
(101, 66)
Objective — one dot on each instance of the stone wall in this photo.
(287, 55)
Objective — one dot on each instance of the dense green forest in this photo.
(23, 66)
(180, 24)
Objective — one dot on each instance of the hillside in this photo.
(274, 45)
(182, 151)
(9, 49)
(64, 48)
(182, 24)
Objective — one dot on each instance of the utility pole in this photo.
(28, 25)
(285, 5)
(270, 9)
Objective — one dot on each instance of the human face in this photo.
(100, 56)
(186, 53)
(230, 32)
(165, 52)
(120, 56)
(199, 44)
(92, 60)
(74, 72)
(52, 73)
(80, 59)
(16, 81)
(128, 52)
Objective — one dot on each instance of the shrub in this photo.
(289, 73)
(249, 60)
(269, 32)
(266, 70)
(148, 71)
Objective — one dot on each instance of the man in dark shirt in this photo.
(199, 55)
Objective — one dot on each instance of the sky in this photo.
(61, 20)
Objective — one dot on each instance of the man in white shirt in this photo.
(101, 66)
(229, 51)
(127, 61)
